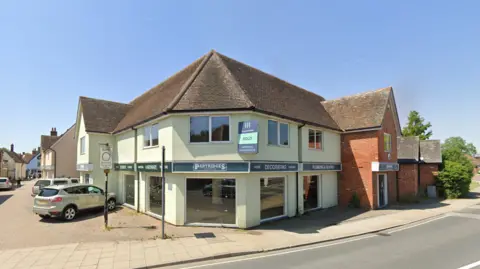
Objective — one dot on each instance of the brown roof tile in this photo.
(102, 116)
(430, 151)
(408, 149)
(16, 157)
(216, 82)
(360, 111)
(27, 157)
(46, 141)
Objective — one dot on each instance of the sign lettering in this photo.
(248, 137)
(210, 167)
(322, 167)
(267, 167)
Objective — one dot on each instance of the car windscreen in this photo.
(46, 192)
(74, 180)
(60, 182)
(42, 183)
(3, 180)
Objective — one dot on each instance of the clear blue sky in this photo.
(51, 52)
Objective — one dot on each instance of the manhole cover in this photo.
(204, 235)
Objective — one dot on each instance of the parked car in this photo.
(5, 184)
(41, 183)
(65, 201)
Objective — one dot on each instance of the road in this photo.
(451, 242)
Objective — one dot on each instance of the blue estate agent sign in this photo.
(211, 167)
(322, 167)
(266, 167)
(248, 136)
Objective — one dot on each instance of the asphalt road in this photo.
(452, 242)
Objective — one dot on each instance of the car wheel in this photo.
(111, 204)
(69, 213)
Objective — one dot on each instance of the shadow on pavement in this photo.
(81, 216)
(314, 221)
(4, 198)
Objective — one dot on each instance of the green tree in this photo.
(455, 179)
(457, 143)
(416, 126)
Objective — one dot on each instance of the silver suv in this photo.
(67, 200)
(41, 183)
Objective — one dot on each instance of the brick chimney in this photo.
(34, 152)
(53, 132)
(12, 148)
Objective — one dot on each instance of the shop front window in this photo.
(155, 195)
(272, 197)
(211, 200)
(310, 192)
(130, 190)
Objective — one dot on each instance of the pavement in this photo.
(309, 230)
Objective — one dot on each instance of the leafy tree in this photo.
(416, 126)
(455, 179)
(457, 143)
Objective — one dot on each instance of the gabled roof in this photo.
(14, 156)
(215, 82)
(102, 116)
(27, 157)
(408, 150)
(46, 141)
(360, 111)
(72, 128)
(430, 151)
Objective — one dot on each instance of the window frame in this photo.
(389, 144)
(279, 123)
(150, 139)
(315, 139)
(285, 198)
(83, 147)
(210, 129)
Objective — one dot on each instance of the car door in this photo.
(78, 196)
(95, 196)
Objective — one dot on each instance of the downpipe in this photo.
(135, 153)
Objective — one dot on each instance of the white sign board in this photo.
(106, 158)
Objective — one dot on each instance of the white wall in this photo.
(331, 151)
(82, 158)
(154, 154)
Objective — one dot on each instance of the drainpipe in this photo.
(297, 174)
(55, 165)
(136, 170)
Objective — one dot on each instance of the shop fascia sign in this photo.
(321, 167)
(237, 167)
(143, 167)
(384, 166)
(273, 167)
(248, 137)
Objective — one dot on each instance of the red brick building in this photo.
(369, 149)
(419, 163)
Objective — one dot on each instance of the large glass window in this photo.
(129, 188)
(150, 135)
(310, 192)
(155, 195)
(272, 197)
(211, 200)
(277, 133)
(204, 129)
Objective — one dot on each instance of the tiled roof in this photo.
(46, 141)
(408, 149)
(27, 157)
(216, 82)
(100, 115)
(15, 157)
(359, 111)
(430, 151)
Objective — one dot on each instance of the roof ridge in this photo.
(189, 82)
(103, 100)
(270, 75)
(358, 94)
(249, 100)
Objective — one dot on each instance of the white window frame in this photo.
(210, 130)
(315, 140)
(390, 144)
(150, 136)
(211, 224)
(285, 198)
(83, 145)
(278, 134)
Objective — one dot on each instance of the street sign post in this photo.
(106, 164)
(163, 192)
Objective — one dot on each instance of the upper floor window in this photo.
(150, 135)
(82, 145)
(315, 139)
(387, 142)
(277, 133)
(204, 129)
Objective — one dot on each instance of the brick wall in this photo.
(358, 152)
(408, 180)
(426, 175)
